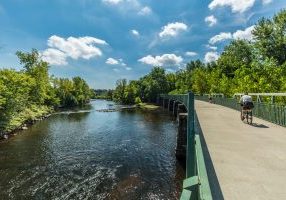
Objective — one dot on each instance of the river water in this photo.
(86, 154)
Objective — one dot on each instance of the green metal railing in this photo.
(196, 185)
(270, 112)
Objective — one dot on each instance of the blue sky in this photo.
(105, 40)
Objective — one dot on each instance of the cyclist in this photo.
(246, 104)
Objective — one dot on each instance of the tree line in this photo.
(31, 92)
(257, 65)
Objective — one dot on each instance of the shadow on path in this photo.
(259, 125)
(213, 180)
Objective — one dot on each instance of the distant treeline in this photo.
(102, 94)
(258, 65)
(30, 93)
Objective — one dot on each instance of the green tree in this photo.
(270, 37)
(235, 55)
(39, 70)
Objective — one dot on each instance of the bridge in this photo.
(226, 158)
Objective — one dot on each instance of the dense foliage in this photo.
(145, 89)
(102, 94)
(32, 92)
(258, 65)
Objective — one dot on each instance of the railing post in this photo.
(190, 170)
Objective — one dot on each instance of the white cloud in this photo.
(54, 57)
(173, 29)
(191, 53)
(128, 68)
(211, 20)
(116, 70)
(265, 2)
(145, 11)
(211, 47)
(211, 56)
(220, 37)
(112, 61)
(235, 5)
(112, 2)
(129, 7)
(135, 32)
(75, 48)
(82, 47)
(244, 34)
(163, 60)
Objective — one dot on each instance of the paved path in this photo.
(249, 161)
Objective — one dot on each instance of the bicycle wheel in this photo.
(241, 115)
(250, 117)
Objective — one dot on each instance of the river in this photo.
(86, 154)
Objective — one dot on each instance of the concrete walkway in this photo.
(249, 161)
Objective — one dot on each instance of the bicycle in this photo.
(246, 114)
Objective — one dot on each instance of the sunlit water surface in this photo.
(93, 155)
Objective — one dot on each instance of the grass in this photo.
(148, 106)
(28, 115)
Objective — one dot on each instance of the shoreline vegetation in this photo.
(25, 119)
(31, 94)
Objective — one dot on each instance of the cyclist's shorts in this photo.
(248, 105)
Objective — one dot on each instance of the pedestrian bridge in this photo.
(229, 159)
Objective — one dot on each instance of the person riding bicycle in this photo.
(246, 103)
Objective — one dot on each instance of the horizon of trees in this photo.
(258, 65)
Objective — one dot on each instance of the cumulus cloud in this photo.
(211, 20)
(129, 6)
(235, 5)
(72, 47)
(111, 61)
(244, 34)
(220, 37)
(211, 56)
(191, 53)
(172, 29)
(54, 57)
(145, 11)
(163, 60)
(211, 47)
(265, 2)
(112, 2)
(135, 32)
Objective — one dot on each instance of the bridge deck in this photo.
(249, 161)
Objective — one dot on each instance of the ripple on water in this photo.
(92, 155)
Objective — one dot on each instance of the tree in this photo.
(236, 54)
(119, 91)
(270, 38)
(15, 88)
(39, 70)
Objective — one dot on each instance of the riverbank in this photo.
(147, 106)
(23, 120)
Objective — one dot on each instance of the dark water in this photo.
(93, 155)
